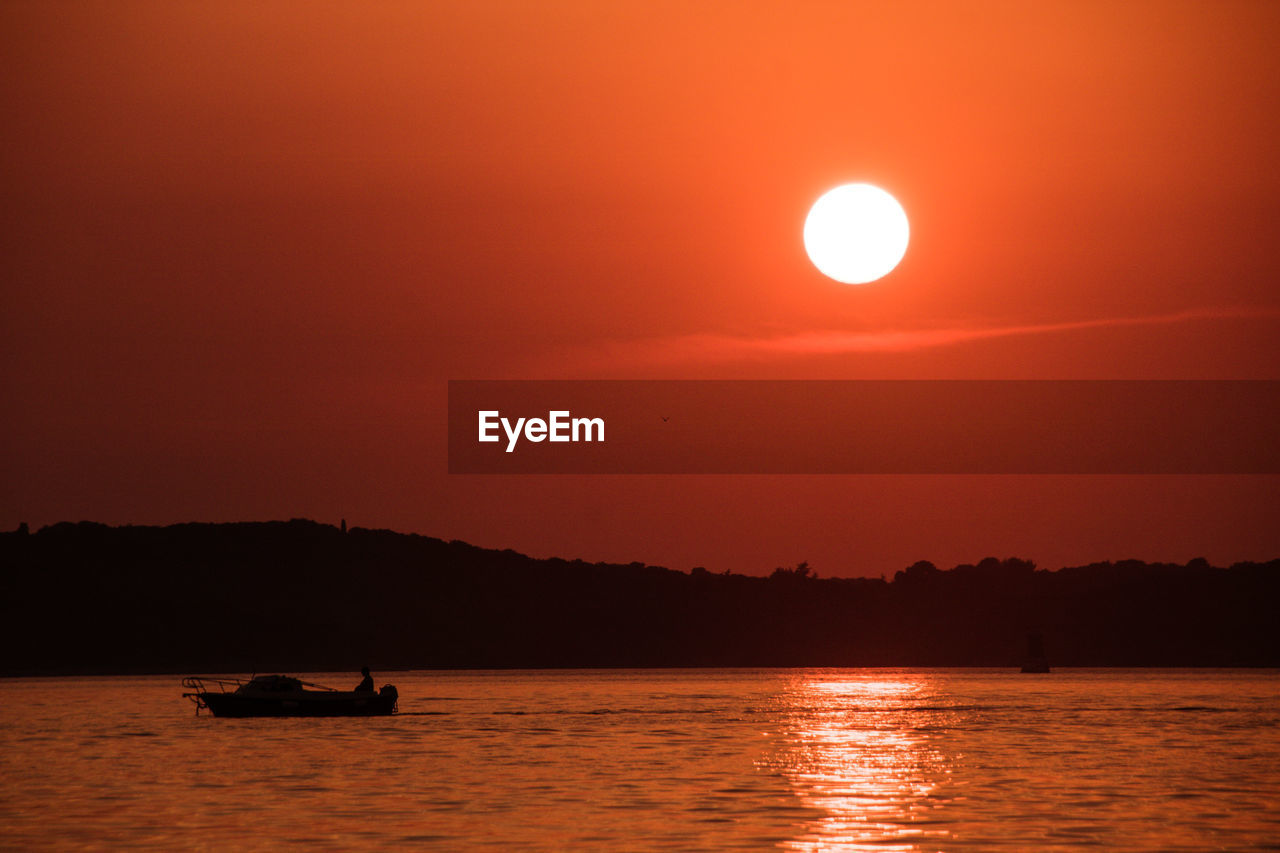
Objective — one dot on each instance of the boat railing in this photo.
(198, 686)
(230, 685)
(201, 684)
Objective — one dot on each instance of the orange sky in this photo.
(247, 244)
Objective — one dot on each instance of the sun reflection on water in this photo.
(859, 753)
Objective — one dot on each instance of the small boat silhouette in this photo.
(285, 696)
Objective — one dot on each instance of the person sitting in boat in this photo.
(366, 684)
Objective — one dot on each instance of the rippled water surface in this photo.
(803, 759)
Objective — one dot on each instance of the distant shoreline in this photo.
(1063, 670)
(299, 596)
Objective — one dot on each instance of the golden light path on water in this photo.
(849, 757)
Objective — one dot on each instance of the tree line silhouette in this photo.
(86, 598)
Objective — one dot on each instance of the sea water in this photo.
(870, 759)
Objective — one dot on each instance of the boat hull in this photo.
(309, 704)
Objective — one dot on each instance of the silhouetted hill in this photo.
(297, 595)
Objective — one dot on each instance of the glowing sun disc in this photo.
(856, 233)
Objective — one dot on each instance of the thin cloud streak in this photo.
(725, 348)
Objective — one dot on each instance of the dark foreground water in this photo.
(707, 759)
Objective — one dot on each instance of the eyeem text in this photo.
(558, 426)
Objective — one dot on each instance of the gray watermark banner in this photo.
(864, 427)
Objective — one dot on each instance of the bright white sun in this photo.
(856, 233)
